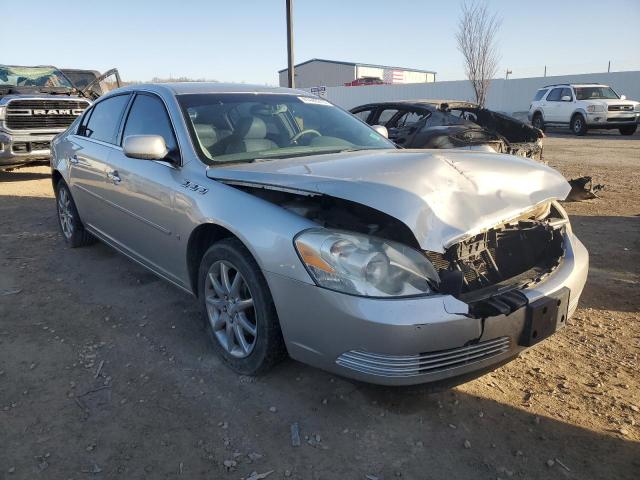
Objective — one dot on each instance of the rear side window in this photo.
(386, 115)
(410, 118)
(363, 115)
(554, 96)
(104, 118)
(149, 117)
(539, 94)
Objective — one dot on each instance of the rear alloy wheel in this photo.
(238, 309)
(628, 129)
(578, 124)
(68, 219)
(538, 122)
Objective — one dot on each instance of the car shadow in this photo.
(21, 176)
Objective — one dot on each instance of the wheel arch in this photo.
(200, 239)
(538, 111)
(578, 111)
(56, 176)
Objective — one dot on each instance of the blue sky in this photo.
(245, 40)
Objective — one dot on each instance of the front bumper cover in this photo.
(22, 149)
(338, 332)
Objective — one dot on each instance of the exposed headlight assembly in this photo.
(595, 108)
(364, 265)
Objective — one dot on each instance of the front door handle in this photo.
(74, 159)
(113, 176)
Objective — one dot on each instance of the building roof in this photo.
(354, 64)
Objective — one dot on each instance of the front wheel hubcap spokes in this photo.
(230, 309)
(64, 211)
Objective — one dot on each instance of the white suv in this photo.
(584, 106)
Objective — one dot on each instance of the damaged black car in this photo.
(452, 124)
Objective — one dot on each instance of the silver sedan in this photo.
(303, 231)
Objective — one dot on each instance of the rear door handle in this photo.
(113, 176)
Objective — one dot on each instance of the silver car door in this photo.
(141, 192)
(92, 144)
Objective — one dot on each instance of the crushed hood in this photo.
(443, 196)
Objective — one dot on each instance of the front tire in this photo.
(238, 309)
(578, 125)
(628, 129)
(538, 121)
(69, 221)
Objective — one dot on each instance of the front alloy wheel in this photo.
(578, 125)
(238, 309)
(230, 309)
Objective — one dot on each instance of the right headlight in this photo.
(2, 112)
(595, 108)
(364, 265)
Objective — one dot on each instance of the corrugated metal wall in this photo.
(508, 96)
(320, 73)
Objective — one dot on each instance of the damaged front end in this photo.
(482, 271)
(486, 270)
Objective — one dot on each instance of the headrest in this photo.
(252, 128)
(205, 131)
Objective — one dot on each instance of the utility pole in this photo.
(290, 67)
(509, 72)
(609, 67)
(545, 70)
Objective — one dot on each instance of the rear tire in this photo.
(538, 121)
(240, 316)
(69, 221)
(628, 129)
(578, 124)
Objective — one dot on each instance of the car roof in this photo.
(574, 85)
(185, 88)
(422, 103)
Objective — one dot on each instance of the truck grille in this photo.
(424, 363)
(43, 114)
(620, 108)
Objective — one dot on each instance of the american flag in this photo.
(393, 76)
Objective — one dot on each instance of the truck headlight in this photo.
(2, 112)
(364, 265)
(595, 108)
(637, 107)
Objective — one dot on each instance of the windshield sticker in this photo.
(314, 101)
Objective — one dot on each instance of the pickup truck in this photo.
(37, 103)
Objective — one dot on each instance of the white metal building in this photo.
(333, 73)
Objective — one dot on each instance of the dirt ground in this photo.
(105, 371)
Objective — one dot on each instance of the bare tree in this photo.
(477, 31)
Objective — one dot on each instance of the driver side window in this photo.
(148, 116)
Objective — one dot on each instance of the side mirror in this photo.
(623, 97)
(145, 147)
(381, 130)
(566, 98)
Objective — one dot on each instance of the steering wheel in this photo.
(299, 135)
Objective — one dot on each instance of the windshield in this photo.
(32, 77)
(595, 93)
(245, 127)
